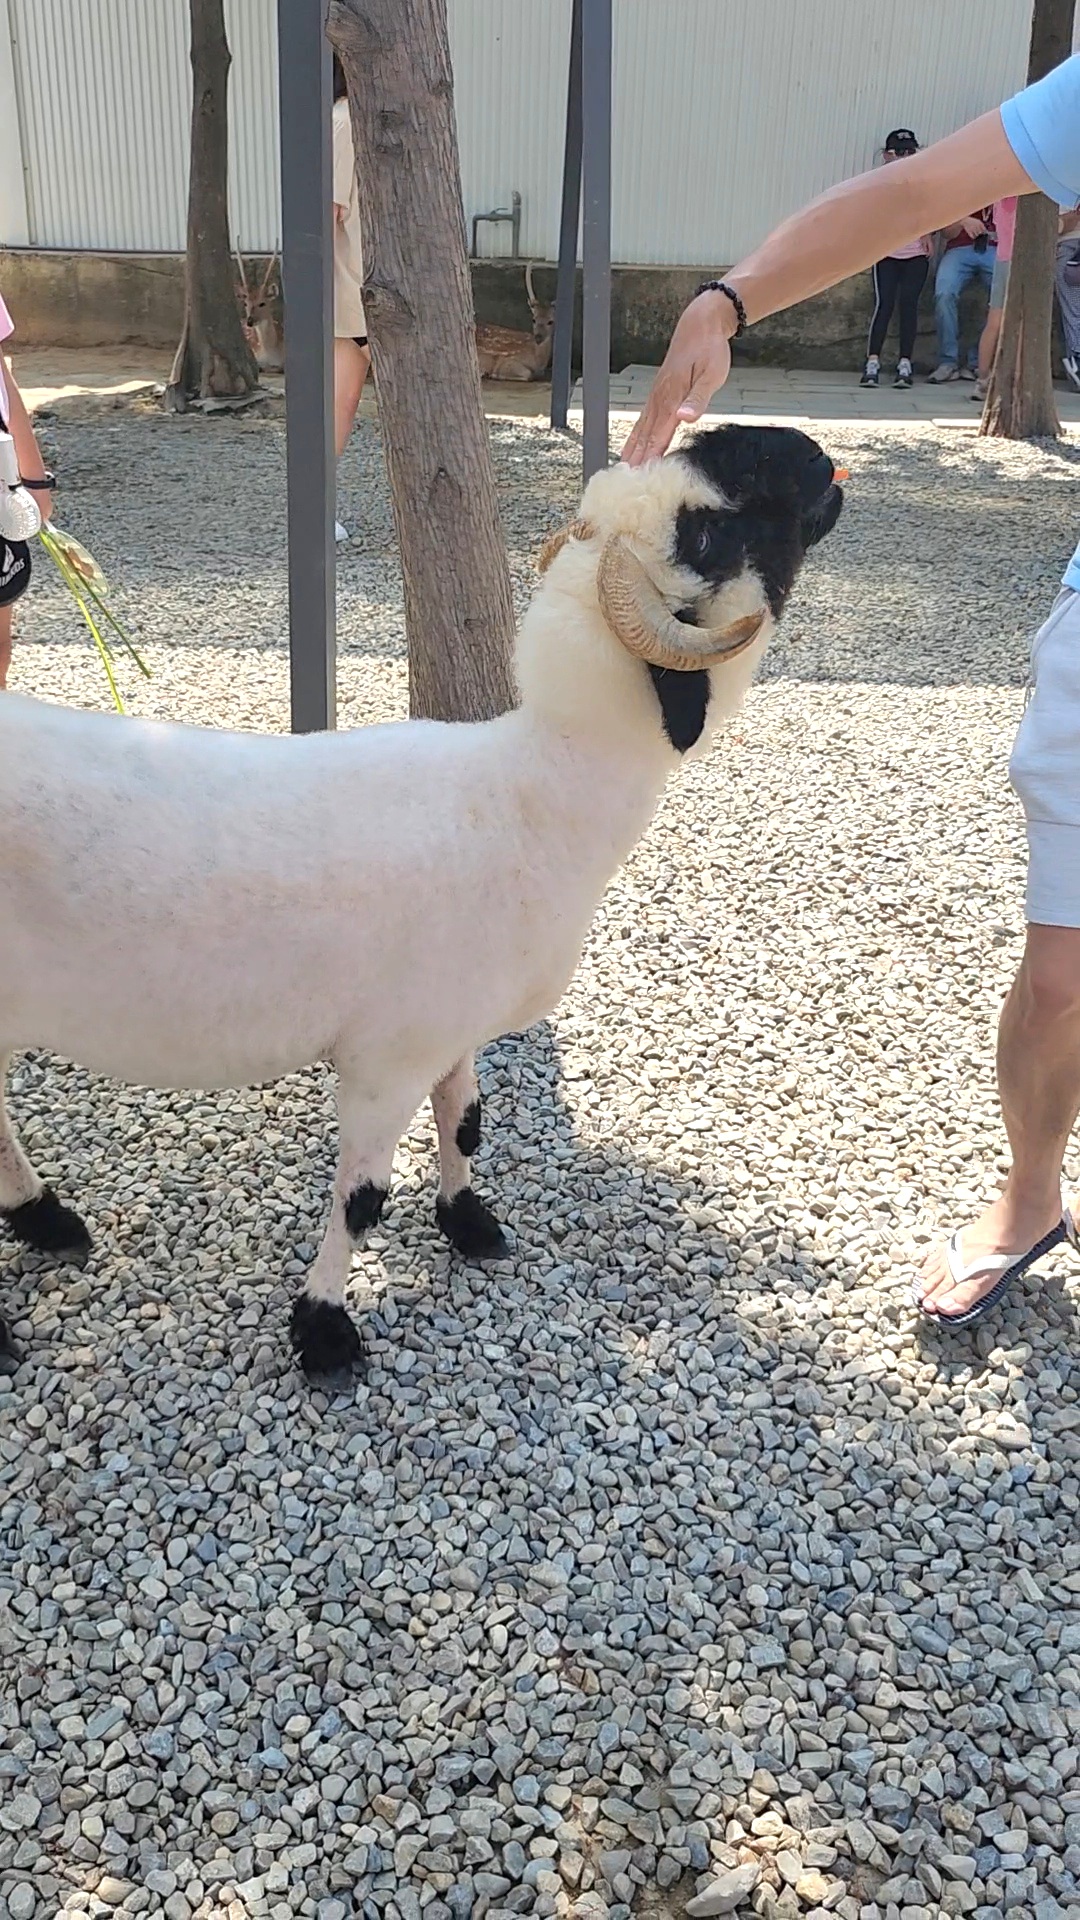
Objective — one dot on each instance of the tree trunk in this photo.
(1020, 403)
(418, 304)
(213, 360)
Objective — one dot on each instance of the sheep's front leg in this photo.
(469, 1226)
(31, 1209)
(325, 1339)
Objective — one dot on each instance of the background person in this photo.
(898, 278)
(969, 254)
(352, 356)
(1033, 141)
(1067, 282)
(15, 554)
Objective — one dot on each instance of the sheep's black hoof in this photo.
(470, 1227)
(327, 1344)
(48, 1227)
(9, 1352)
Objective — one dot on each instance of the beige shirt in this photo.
(349, 322)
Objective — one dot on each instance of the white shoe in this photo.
(340, 533)
(943, 373)
(1072, 370)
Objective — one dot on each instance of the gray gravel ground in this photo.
(672, 1562)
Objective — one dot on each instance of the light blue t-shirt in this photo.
(1042, 126)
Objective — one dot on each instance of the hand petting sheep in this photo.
(187, 908)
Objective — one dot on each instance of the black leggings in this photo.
(893, 278)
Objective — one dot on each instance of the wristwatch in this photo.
(47, 484)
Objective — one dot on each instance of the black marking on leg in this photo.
(471, 1227)
(9, 1352)
(363, 1207)
(327, 1344)
(49, 1227)
(468, 1133)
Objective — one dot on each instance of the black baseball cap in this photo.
(901, 141)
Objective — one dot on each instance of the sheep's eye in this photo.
(702, 543)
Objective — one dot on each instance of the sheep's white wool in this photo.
(186, 908)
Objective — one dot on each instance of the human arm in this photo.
(27, 451)
(843, 231)
(344, 162)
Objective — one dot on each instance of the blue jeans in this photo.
(955, 269)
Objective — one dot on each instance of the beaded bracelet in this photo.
(721, 286)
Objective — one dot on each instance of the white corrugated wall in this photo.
(727, 113)
(104, 97)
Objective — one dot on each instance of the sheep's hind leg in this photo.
(31, 1209)
(469, 1226)
(327, 1343)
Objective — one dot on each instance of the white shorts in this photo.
(1045, 768)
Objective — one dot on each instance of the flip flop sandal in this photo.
(1007, 1266)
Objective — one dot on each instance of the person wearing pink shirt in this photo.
(899, 277)
(1005, 227)
(15, 554)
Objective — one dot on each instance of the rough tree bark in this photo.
(1020, 403)
(418, 305)
(213, 360)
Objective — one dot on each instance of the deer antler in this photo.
(243, 276)
(529, 285)
(267, 275)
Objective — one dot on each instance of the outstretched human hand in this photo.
(697, 362)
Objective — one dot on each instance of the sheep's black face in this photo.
(783, 499)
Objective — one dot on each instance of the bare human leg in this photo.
(351, 365)
(7, 615)
(1038, 1064)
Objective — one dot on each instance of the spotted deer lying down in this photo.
(504, 353)
(194, 909)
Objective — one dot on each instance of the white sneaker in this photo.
(943, 373)
(340, 533)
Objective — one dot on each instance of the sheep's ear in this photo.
(684, 702)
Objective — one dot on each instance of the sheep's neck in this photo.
(591, 789)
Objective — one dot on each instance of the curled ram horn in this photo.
(646, 626)
(555, 542)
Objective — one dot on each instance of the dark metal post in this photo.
(305, 100)
(596, 236)
(568, 232)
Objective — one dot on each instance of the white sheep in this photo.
(181, 907)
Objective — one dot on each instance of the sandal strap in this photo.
(1014, 1268)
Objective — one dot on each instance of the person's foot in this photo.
(1072, 370)
(871, 372)
(340, 533)
(945, 372)
(902, 376)
(978, 391)
(1005, 1227)
(968, 373)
